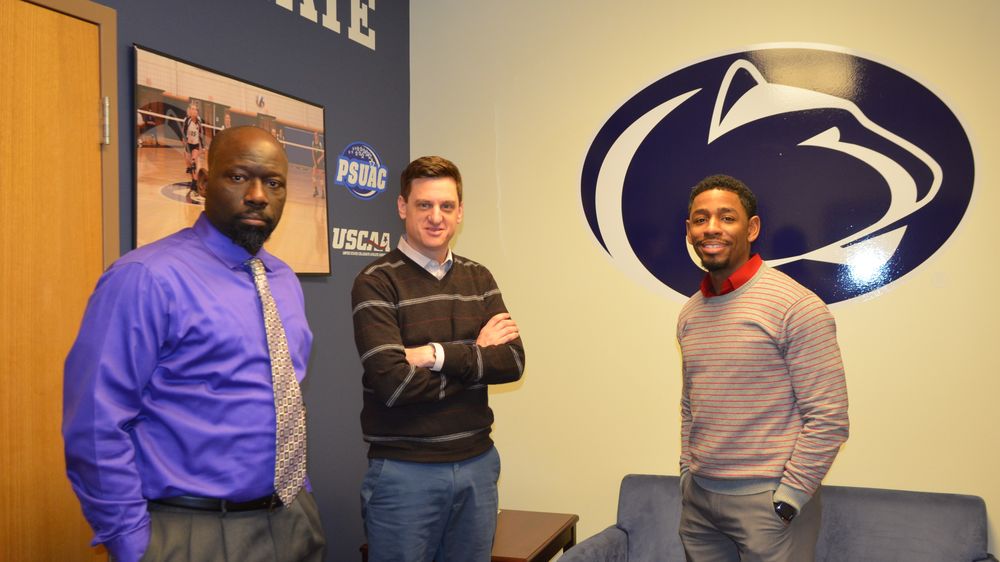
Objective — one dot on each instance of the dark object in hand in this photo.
(785, 511)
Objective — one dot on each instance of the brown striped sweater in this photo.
(764, 396)
(416, 414)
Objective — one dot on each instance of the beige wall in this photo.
(515, 91)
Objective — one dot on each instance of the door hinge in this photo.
(106, 121)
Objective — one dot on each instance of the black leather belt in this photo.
(271, 502)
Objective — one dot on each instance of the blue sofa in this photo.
(859, 525)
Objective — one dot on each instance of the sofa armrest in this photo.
(610, 545)
(649, 511)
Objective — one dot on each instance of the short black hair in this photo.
(726, 183)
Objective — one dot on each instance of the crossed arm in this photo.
(399, 375)
(499, 329)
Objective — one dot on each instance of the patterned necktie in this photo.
(290, 412)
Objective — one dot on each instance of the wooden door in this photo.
(55, 236)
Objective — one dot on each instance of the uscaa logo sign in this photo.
(359, 242)
(861, 172)
(360, 170)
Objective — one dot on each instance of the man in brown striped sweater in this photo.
(432, 331)
(764, 402)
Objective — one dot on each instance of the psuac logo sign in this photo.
(360, 170)
(861, 172)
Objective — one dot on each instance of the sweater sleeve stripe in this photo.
(517, 359)
(379, 348)
(399, 390)
(366, 304)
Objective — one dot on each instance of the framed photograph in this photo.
(179, 108)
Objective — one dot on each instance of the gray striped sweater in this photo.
(416, 414)
(764, 396)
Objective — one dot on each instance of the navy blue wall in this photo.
(366, 96)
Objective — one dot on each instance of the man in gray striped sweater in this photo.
(764, 402)
(432, 331)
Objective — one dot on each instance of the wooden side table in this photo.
(532, 536)
(527, 536)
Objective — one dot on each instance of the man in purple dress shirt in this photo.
(168, 413)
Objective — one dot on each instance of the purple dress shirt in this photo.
(167, 390)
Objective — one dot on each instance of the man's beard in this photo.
(251, 238)
(716, 265)
(713, 263)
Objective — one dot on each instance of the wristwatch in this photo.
(785, 511)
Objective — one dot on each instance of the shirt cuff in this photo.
(131, 546)
(796, 498)
(438, 356)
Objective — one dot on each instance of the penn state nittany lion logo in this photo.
(861, 172)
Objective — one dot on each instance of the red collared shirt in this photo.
(735, 281)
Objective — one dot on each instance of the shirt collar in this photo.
(735, 281)
(223, 247)
(431, 265)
